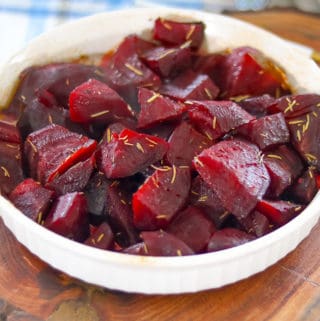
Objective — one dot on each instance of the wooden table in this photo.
(290, 290)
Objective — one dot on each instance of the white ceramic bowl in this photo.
(98, 34)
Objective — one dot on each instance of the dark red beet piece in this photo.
(258, 105)
(178, 33)
(119, 214)
(256, 224)
(216, 118)
(267, 131)
(202, 196)
(101, 238)
(32, 199)
(242, 74)
(160, 197)
(126, 72)
(209, 64)
(167, 61)
(161, 243)
(227, 238)
(11, 173)
(184, 144)
(295, 105)
(192, 227)
(130, 152)
(305, 187)
(190, 85)
(279, 212)
(95, 102)
(305, 137)
(52, 150)
(156, 108)
(233, 169)
(73, 179)
(68, 217)
(8, 129)
(136, 249)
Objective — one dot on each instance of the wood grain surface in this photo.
(30, 290)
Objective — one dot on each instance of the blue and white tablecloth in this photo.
(22, 20)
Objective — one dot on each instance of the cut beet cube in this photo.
(267, 131)
(156, 108)
(284, 166)
(296, 105)
(8, 129)
(279, 212)
(68, 217)
(96, 193)
(130, 152)
(257, 224)
(167, 61)
(227, 238)
(185, 136)
(52, 150)
(178, 33)
(193, 228)
(190, 85)
(242, 74)
(257, 106)
(305, 187)
(101, 238)
(32, 199)
(126, 72)
(216, 118)
(95, 102)
(119, 214)
(202, 196)
(11, 173)
(136, 249)
(73, 179)
(58, 79)
(233, 169)
(161, 196)
(209, 64)
(161, 243)
(305, 137)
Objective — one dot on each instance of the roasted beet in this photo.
(160, 197)
(190, 85)
(32, 199)
(9, 131)
(136, 249)
(178, 33)
(95, 102)
(101, 238)
(11, 172)
(192, 227)
(156, 108)
(68, 217)
(257, 224)
(258, 105)
(216, 118)
(279, 212)
(233, 169)
(227, 238)
(130, 152)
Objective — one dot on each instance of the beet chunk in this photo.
(11, 172)
(190, 85)
(119, 214)
(256, 224)
(32, 199)
(9, 131)
(68, 217)
(279, 212)
(52, 150)
(177, 33)
(136, 249)
(267, 131)
(185, 135)
(233, 169)
(160, 197)
(156, 108)
(258, 105)
(193, 228)
(130, 152)
(101, 238)
(95, 102)
(227, 238)
(216, 118)
(161, 243)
